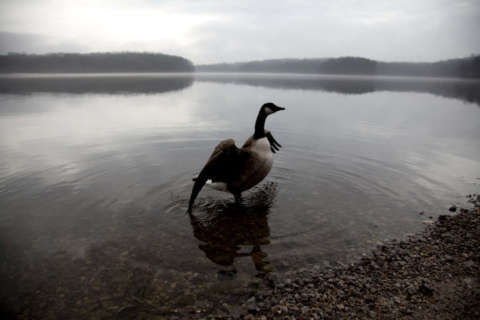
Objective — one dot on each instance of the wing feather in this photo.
(274, 145)
(223, 165)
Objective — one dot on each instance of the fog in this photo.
(229, 31)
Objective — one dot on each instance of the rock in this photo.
(449, 258)
(425, 289)
(277, 309)
(251, 305)
(452, 208)
(443, 218)
(469, 264)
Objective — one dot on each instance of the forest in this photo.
(468, 67)
(465, 67)
(94, 62)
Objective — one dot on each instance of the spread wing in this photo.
(224, 165)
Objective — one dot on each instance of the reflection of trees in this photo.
(466, 90)
(96, 83)
(228, 231)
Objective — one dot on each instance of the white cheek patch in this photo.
(268, 110)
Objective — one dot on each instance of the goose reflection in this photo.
(228, 231)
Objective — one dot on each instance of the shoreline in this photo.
(434, 274)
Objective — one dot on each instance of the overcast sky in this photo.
(228, 31)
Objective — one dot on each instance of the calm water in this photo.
(95, 175)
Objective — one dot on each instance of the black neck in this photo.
(260, 126)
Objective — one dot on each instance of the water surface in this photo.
(96, 170)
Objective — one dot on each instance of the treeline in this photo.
(94, 62)
(277, 65)
(466, 67)
(156, 62)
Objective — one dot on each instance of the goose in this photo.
(234, 169)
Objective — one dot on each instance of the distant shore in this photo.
(145, 62)
(93, 63)
(468, 67)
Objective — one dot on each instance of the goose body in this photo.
(234, 169)
(257, 165)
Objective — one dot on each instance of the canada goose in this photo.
(235, 169)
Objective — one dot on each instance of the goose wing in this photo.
(224, 165)
(274, 145)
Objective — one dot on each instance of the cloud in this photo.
(110, 26)
(30, 42)
(214, 31)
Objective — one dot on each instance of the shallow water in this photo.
(96, 170)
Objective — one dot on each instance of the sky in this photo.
(208, 31)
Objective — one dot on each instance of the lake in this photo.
(96, 171)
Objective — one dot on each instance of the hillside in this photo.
(94, 62)
(465, 67)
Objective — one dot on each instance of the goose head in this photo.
(265, 110)
(269, 108)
